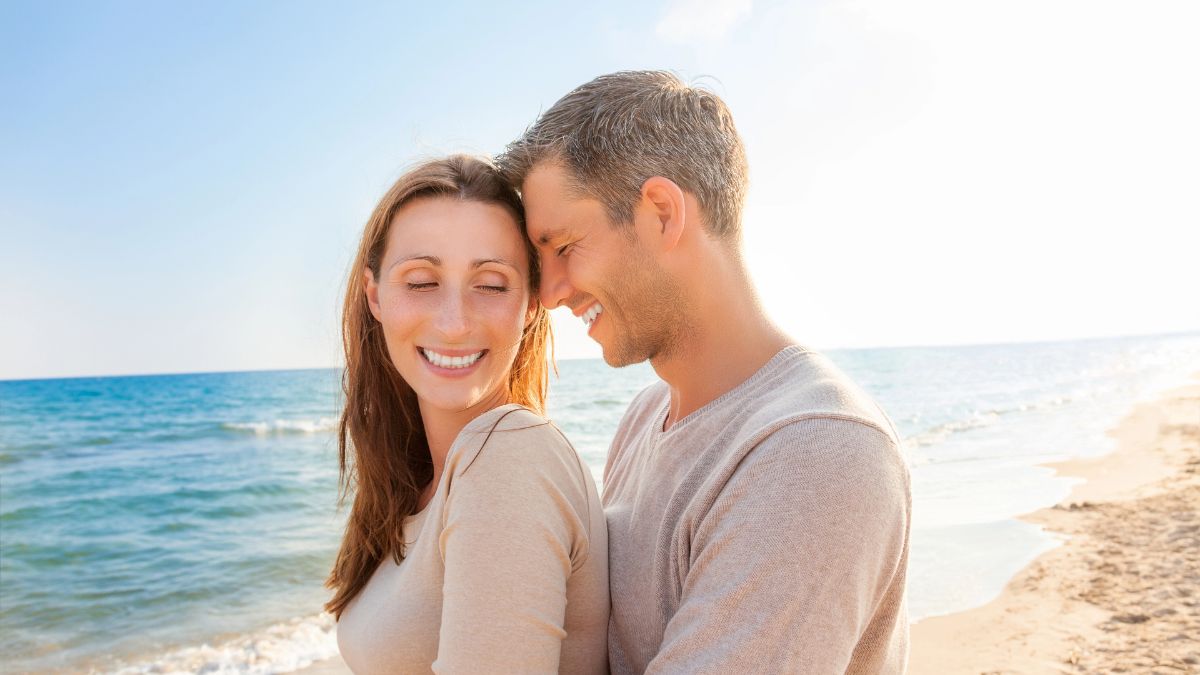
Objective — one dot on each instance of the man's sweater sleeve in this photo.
(794, 559)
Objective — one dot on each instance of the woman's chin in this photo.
(480, 389)
(452, 399)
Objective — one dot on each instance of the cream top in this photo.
(506, 568)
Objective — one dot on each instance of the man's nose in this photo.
(452, 319)
(554, 288)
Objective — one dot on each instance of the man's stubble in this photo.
(651, 308)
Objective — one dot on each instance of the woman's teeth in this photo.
(443, 361)
(590, 316)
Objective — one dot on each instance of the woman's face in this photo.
(453, 298)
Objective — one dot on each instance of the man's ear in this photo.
(665, 200)
(371, 289)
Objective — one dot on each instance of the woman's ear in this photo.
(371, 290)
(531, 312)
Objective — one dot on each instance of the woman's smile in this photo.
(452, 362)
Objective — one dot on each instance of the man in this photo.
(757, 501)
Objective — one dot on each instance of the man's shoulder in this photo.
(650, 399)
(637, 421)
(647, 405)
(812, 419)
(809, 386)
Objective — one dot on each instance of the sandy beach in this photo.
(1122, 594)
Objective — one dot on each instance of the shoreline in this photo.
(1122, 592)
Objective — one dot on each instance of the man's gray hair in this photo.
(620, 129)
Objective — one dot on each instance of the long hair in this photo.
(382, 450)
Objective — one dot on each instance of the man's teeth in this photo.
(593, 312)
(444, 361)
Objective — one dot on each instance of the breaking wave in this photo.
(281, 648)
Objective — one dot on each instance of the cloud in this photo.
(699, 20)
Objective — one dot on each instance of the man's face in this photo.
(602, 271)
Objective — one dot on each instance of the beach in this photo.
(1122, 592)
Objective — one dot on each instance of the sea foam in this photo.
(300, 426)
(281, 648)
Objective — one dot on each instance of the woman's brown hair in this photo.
(380, 428)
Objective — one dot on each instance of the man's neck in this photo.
(732, 338)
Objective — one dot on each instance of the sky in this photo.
(183, 185)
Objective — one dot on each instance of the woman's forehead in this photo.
(456, 231)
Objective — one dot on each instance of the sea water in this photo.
(185, 523)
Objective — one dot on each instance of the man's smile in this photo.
(589, 315)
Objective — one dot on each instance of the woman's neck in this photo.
(443, 426)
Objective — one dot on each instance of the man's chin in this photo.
(612, 362)
(619, 358)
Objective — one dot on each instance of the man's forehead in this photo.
(552, 203)
(548, 180)
(544, 225)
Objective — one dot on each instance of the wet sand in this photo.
(1122, 594)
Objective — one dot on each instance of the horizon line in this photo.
(1182, 333)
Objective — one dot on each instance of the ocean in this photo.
(186, 523)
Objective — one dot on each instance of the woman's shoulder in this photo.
(515, 472)
(512, 433)
(509, 417)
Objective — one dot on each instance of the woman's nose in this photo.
(453, 320)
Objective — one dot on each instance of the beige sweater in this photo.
(506, 569)
(767, 532)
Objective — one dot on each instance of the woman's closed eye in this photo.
(422, 285)
(492, 282)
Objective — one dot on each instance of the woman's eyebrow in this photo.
(498, 261)
(431, 259)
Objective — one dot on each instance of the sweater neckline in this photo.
(780, 357)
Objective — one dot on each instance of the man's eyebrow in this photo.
(498, 261)
(551, 235)
(431, 259)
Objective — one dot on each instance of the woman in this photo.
(476, 541)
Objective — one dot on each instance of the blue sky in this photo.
(182, 184)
